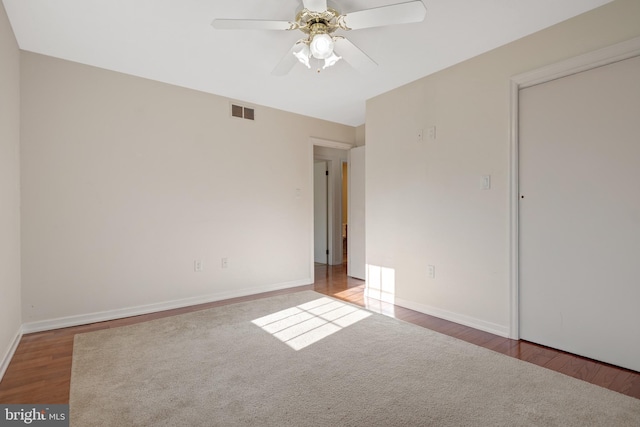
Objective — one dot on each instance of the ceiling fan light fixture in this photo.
(321, 46)
(303, 55)
(330, 61)
(318, 21)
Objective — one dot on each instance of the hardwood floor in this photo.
(40, 370)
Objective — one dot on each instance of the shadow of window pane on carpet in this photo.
(308, 323)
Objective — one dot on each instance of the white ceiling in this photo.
(174, 42)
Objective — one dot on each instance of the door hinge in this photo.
(326, 173)
(327, 251)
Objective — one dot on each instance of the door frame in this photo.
(598, 58)
(313, 141)
(327, 208)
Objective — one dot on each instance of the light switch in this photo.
(431, 271)
(431, 133)
(486, 182)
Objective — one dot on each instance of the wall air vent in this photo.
(242, 112)
(236, 111)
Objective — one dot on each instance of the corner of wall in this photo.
(360, 135)
(10, 280)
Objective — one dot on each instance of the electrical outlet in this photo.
(420, 135)
(224, 263)
(197, 265)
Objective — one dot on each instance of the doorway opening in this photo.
(329, 203)
(345, 220)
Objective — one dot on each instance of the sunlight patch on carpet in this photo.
(308, 323)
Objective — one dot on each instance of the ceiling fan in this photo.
(319, 22)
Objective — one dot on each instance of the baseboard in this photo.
(492, 328)
(84, 319)
(4, 363)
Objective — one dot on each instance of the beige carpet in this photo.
(304, 359)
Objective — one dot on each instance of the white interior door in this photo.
(320, 210)
(356, 192)
(579, 219)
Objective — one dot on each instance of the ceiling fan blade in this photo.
(353, 55)
(286, 63)
(250, 24)
(315, 5)
(402, 13)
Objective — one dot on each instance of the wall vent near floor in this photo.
(242, 112)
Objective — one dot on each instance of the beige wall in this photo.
(424, 201)
(360, 135)
(10, 317)
(126, 181)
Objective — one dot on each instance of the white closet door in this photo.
(356, 234)
(580, 213)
